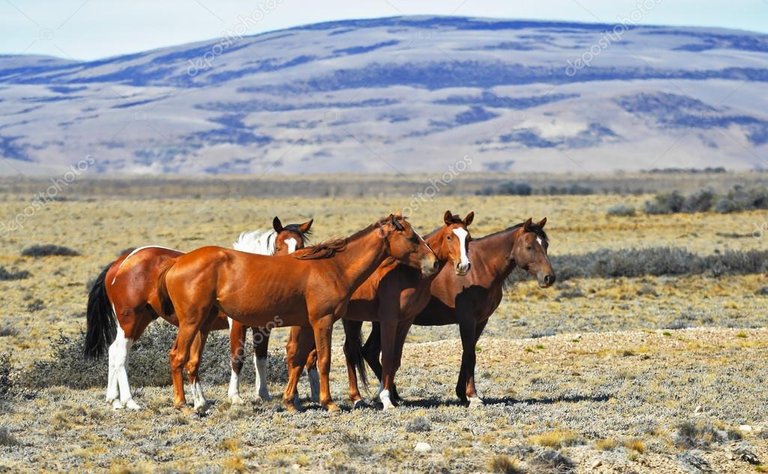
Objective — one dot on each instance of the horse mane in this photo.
(331, 247)
(456, 219)
(296, 228)
(539, 231)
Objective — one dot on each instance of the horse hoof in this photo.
(131, 405)
(332, 408)
(361, 405)
(264, 397)
(236, 400)
(117, 405)
(475, 402)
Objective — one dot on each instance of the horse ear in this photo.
(448, 218)
(468, 220)
(277, 225)
(304, 228)
(396, 222)
(542, 222)
(527, 225)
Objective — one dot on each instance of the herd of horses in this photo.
(385, 273)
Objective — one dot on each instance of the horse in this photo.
(393, 295)
(470, 300)
(310, 287)
(126, 291)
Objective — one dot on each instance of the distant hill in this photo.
(404, 94)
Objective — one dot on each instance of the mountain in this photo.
(403, 94)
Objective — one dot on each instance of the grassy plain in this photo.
(650, 374)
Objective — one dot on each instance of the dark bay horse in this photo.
(470, 300)
(393, 295)
(126, 291)
(309, 288)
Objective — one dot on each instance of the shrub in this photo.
(418, 424)
(8, 330)
(621, 210)
(49, 250)
(726, 206)
(6, 383)
(504, 465)
(701, 435)
(667, 203)
(509, 188)
(6, 438)
(6, 275)
(700, 201)
(147, 362)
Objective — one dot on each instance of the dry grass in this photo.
(594, 369)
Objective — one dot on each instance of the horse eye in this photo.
(450, 237)
(530, 247)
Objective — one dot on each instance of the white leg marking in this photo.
(112, 391)
(197, 393)
(384, 397)
(314, 383)
(122, 346)
(234, 379)
(464, 261)
(475, 402)
(262, 368)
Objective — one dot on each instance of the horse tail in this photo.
(166, 305)
(354, 351)
(101, 321)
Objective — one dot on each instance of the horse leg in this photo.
(402, 333)
(236, 359)
(117, 385)
(323, 330)
(190, 322)
(372, 349)
(193, 369)
(474, 398)
(313, 376)
(467, 330)
(261, 361)
(297, 348)
(352, 355)
(388, 336)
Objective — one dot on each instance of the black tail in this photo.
(353, 348)
(102, 326)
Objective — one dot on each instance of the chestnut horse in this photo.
(311, 287)
(393, 295)
(126, 290)
(469, 301)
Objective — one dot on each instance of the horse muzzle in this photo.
(429, 266)
(546, 280)
(463, 268)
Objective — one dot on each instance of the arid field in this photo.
(653, 373)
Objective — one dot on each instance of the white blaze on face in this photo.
(462, 235)
(291, 243)
(541, 242)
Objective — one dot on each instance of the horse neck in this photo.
(361, 257)
(494, 252)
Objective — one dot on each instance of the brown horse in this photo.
(469, 301)
(309, 288)
(393, 295)
(126, 290)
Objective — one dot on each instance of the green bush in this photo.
(667, 203)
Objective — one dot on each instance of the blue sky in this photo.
(89, 29)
